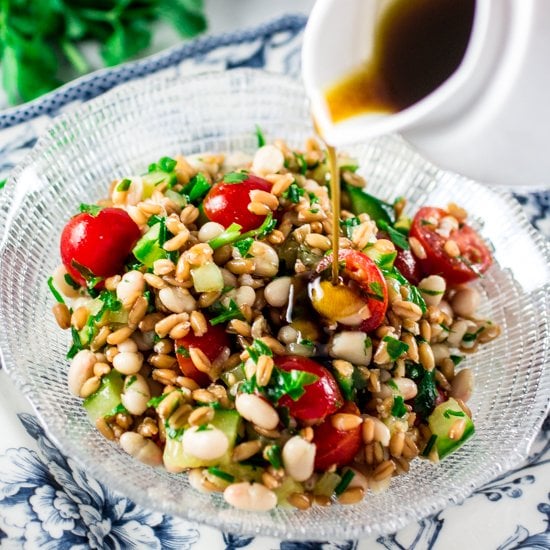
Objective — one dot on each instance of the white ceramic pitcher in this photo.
(489, 120)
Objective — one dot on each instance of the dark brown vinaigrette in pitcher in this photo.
(418, 44)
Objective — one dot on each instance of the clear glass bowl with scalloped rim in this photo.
(119, 133)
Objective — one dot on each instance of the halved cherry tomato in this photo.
(227, 203)
(336, 446)
(360, 269)
(475, 257)
(211, 343)
(99, 243)
(320, 399)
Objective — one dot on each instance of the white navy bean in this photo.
(139, 447)
(462, 385)
(253, 497)
(432, 289)
(130, 288)
(406, 387)
(206, 444)
(257, 410)
(267, 160)
(128, 362)
(352, 346)
(136, 394)
(61, 284)
(265, 259)
(298, 458)
(80, 370)
(277, 291)
(128, 345)
(465, 302)
(177, 300)
(210, 230)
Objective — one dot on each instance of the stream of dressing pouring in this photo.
(490, 120)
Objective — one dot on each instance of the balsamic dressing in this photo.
(418, 44)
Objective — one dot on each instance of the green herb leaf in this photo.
(289, 383)
(77, 344)
(55, 292)
(398, 409)
(155, 401)
(235, 177)
(260, 137)
(124, 185)
(457, 359)
(348, 225)
(272, 454)
(227, 313)
(70, 281)
(430, 445)
(293, 193)
(197, 188)
(396, 237)
(395, 347)
(258, 348)
(119, 409)
(221, 474)
(348, 475)
(243, 246)
(92, 209)
(472, 336)
(449, 412)
(302, 164)
(424, 402)
(183, 351)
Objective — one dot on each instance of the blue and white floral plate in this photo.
(48, 501)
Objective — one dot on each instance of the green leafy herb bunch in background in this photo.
(41, 40)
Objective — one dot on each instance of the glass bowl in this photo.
(119, 134)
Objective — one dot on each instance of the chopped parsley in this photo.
(221, 474)
(76, 345)
(70, 281)
(348, 226)
(398, 409)
(472, 336)
(197, 188)
(415, 295)
(131, 380)
(449, 412)
(87, 274)
(457, 359)
(431, 292)
(260, 137)
(258, 348)
(347, 476)
(294, 193)
(55, 292)
(272, 453)
(119, 409)
(183, 351)
(243, 246)
(302, 164)
(395, 347)
(430, 445)
(396, 236)
(155, 401)
(376, 291)
(225, 314)
(124, 185)
(233, 233)
(235, 177)
(92, 209)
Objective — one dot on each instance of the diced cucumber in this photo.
(239, 472)
(363, 203)
(442, 419)
(207, 278)
(403, 224)
(344, 374)
(234, 375)
(106, 398)
(177, 459)
(287, 488)
(148, 249)
(176, 197)
(326, 484)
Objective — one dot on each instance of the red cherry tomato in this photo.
(99, 243)
(227, 203)
(320, 399)
(336, 446)
(211, 343)
(474, 257)
(362, 270)
(407, 265)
